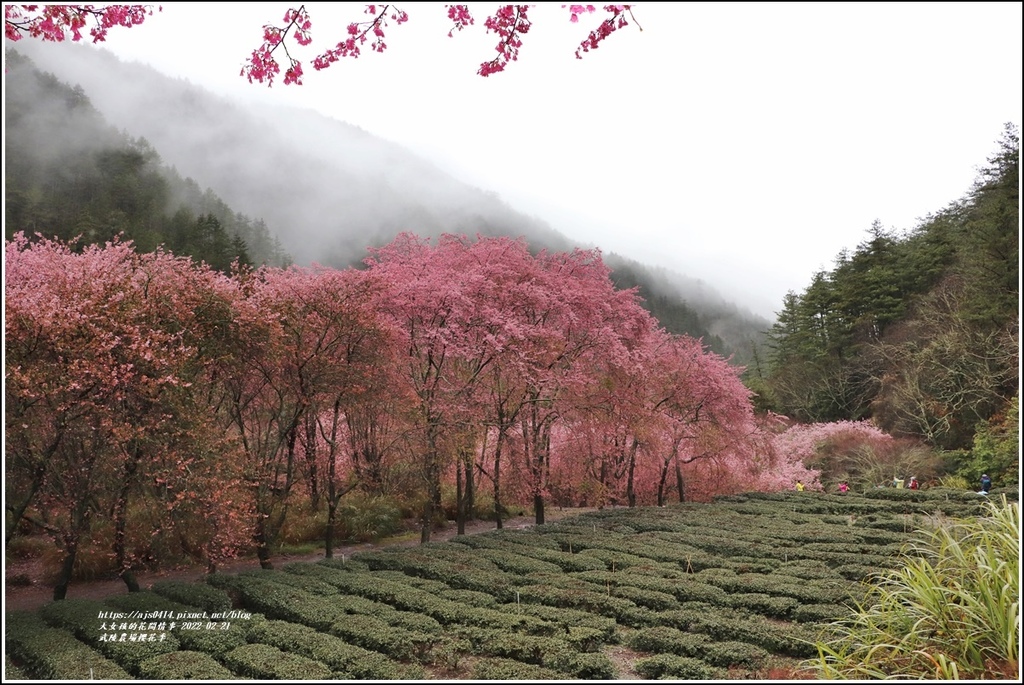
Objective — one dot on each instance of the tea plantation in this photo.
(740, 588)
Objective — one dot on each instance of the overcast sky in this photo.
(742, 143)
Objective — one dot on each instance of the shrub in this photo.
(374, 634)
(81, 617)
(498, 668)
(264, 662)
(672, 667)
(183, 665)
(332, 651)
(53, 654)
(194, 594)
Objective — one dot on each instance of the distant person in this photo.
(914, 485)
(843, 487)
(799, 486)
(986, 484)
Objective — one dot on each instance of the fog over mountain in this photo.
(328, 189)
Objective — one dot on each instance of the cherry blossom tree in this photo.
(101, 349)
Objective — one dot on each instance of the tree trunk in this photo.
(121, 523)
(630, 485)
(497, 479)
(538, 509)
(262, 547)
(679, 482)
(661, 484)
(460, 500)
(78, 519)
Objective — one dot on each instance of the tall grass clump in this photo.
(951, 611)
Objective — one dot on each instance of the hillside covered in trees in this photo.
(917, 330)
(70, 174)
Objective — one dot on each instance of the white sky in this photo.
(742, 143)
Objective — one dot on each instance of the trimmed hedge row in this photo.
(445, 611)
(484, 576)
(374, 634)
(557, 594)
(48, 653)
(570, 620)
(498, 668)
(565, 561)
(276, 600)
(199, 595)
(183, 665)
(344, 658)
(263, 662)
(736, 625)
(81, 617)
(721, 653)
(672, 667)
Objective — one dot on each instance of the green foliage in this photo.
(339, 655)
(500, 668)
(671, 667)
(917, 328)
(365, 518)
(54, 654)
(380, 636)
(950, 611)
(996, 449)
(194, 594)
(263, 662)
(183, 665)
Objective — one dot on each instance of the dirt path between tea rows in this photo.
(21, 597)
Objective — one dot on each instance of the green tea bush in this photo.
(510, 562)
(374, 634)
(263, 662)
(216, 643)
(766, 605)
(566, 620)
(279, 601)
(549, 652)
(332, 651)
(498, 668)
(663, 639)
(731, 653)
(732, 625)
(183, 665)
(303, 582)
(472, 598)
(146, 602)
(672, 667)
(82, 617)
(12, 672)
(49, 653)
(412, 621)
(198, 595)
(819, 613)
(622, 610)
(565, 561)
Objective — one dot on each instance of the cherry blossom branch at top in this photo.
(510, 22)
(60, 22)
(57, 23)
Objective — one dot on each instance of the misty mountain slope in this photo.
(329, 189)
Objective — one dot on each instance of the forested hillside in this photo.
(917, 330)
(328, 190)
(69, 173)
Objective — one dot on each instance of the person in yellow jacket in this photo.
(799, 486)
